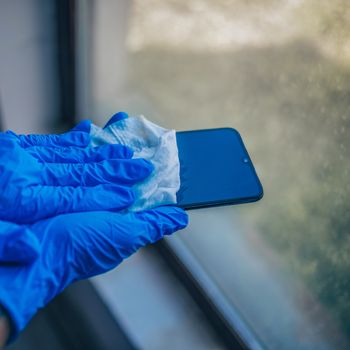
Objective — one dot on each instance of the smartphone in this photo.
(215, 169)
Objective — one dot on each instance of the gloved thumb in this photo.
(18, 244)
(83, 126)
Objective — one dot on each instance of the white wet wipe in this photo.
(151, 142)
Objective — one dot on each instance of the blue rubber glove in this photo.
(78, 246)
(39, 181)
(17, 243)
(79, 136)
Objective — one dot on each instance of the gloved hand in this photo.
(17, 243)
(46, 159)
(39, 178)
(77, 246)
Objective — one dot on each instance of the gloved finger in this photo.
(80, 155)
(119, 171)
(161, 221)
(102, 240)
(70, 138)
(48, 201)
(124, 234)
(18, 244)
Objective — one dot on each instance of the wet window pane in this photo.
(279, 72)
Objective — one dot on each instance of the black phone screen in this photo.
(215, 169)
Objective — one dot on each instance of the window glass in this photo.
(279, 72)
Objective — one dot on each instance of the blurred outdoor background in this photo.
(279, 72)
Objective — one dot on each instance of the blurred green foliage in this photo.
(290, 101)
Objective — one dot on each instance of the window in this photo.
(279, 72)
